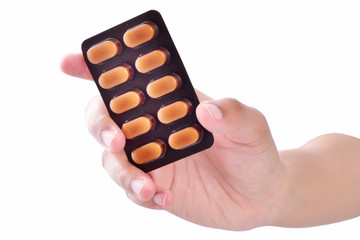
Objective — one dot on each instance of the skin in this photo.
(242, 181)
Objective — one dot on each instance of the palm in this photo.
(200, 184)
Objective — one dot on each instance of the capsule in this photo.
(140, 34)
(138, 126)
(174, 111)
(103, 51)
(126, 101)
(152, 60)
(163, 86)
(185, 137)
(115, 76)
(148, 152)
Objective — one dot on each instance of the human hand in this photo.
(236, 184)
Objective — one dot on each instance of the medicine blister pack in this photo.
(147, 91)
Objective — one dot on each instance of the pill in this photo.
(115, 76)
(163, 86)
(185, 137)
(152, 60)
(138, 126)
(103, 51)
(174, 111)
(147, 91)
(126, 101)
(140, 34)
(148, 152)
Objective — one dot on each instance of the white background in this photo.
(296, 61)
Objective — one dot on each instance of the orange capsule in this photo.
(103, 51)
(163, 86)
(185, 137)
(148, 152)
(126, 101)
(152, 60)
(138, 126)
(174, 111)
(140, 34)
(115, 76)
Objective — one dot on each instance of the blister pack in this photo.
(147, 91)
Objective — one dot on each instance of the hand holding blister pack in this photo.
(147, 91)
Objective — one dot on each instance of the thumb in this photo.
(238, 122)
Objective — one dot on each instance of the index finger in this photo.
(74, 65)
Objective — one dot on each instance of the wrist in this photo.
(283, 203)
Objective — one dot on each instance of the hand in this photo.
(236, 184)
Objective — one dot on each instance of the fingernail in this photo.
(213, 111)
(136, 187)
(159, 199)
(107, 136)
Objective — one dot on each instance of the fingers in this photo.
(74, 65)
(138, 185)
(127, 176)
(240, 123)
(102, 127)
(161, 200)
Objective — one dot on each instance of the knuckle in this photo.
(260, 115)
(104, 158)
(93, 111)
(134, 199)
(120, 177)
(233, 103)
(261, 128)
(92, 103)
(95, 125)
(115, 169)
